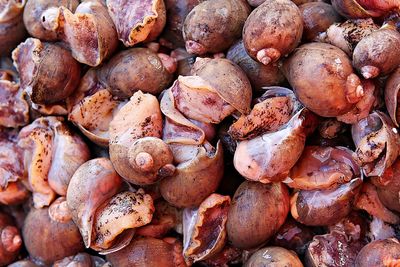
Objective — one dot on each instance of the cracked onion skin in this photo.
(33, 16)
(256, 213)
(272, 30)
(42, 76)
(149, 252)
(212, 26)
(50, 234)
(323, 79)
(12, 29)
(379, 253)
